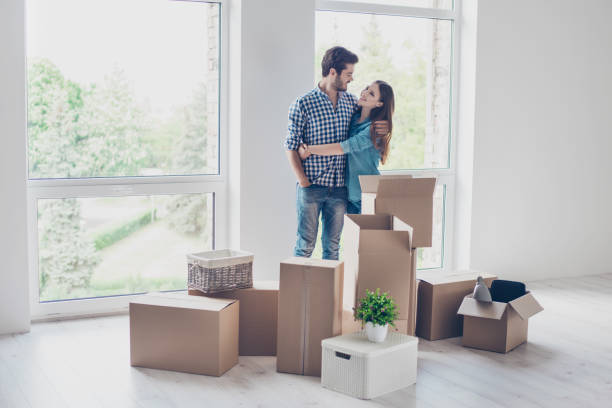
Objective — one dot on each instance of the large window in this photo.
(408, 44)
(125, 146)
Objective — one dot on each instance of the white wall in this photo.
(275, 66)
(462, 227)
(14, 304)
(542, 193)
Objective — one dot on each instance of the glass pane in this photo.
(91, 247)
(122, 88)
(414, 56)
(438, 4)
(434, 257)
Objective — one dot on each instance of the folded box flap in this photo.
(526, 306)
(369, 183)
(369, 221)
(399, 225)
(183, 300)
(406, 187)
(314, 262)
(472, 307)
(436, 278)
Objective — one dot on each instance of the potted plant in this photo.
(377, 311)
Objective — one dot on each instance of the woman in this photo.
(364, 149)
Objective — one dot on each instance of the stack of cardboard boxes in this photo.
(203, 334)
(314, 299)
(446, 309)
(381, 243)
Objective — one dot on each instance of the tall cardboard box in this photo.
(309, 310)
(185, 333)
(440, 295)
(258, 317)
(410, 199)
(378, 254)
(497, 326)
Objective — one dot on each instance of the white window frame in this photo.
(129, 186)
(445, 177)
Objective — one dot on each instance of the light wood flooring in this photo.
(566, 363)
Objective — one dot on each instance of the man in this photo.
(322, 116)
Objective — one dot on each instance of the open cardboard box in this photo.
(410, 199)
(440, 295)
(258, 316)
(378, 254)
(309, 310)
(192, 334)
(497, 326)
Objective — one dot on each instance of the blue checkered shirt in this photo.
(313, 120)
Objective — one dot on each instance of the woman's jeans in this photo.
(330, 202)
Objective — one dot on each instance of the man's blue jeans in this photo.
(330, 202)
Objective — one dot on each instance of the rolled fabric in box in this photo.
(506, 291)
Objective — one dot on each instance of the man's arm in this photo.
(295, 135)
(296, 166)
(381, 127)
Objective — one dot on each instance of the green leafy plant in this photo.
(377, 308)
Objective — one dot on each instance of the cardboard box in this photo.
(309, 310)
(497, 326)
(440, 295)
(185, 333)
(410, 199)
(378, 254)
(258, 317)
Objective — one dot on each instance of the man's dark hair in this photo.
(337, 58)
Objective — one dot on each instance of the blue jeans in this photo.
(330, 202)
(353, 207)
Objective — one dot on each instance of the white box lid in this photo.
(357, 344)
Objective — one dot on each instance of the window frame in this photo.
(446, 177)
(217, 184)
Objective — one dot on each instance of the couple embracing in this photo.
(334, 137)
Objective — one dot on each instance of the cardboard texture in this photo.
(440, 295)
(497, 326)
(309, 310)
(185, 333)
(258, 317)
(410, 199)
(378, 254)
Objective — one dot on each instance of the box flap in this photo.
(399, 225)
(319, 263)
(383, 242)
(438, 278)
(369, 183)
(526, 306)
(471, 307)
(370, 221)
(183, 300)
(406, 187)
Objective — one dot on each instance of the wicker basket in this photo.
(220, 270)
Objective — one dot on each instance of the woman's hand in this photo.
(303, 151)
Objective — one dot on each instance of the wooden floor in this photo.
(567, 363)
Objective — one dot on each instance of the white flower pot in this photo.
(376, 333)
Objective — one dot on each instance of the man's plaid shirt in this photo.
(313, 120)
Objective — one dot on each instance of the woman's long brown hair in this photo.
(385, 112)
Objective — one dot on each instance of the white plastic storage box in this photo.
(353, 365)
(220, 270)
